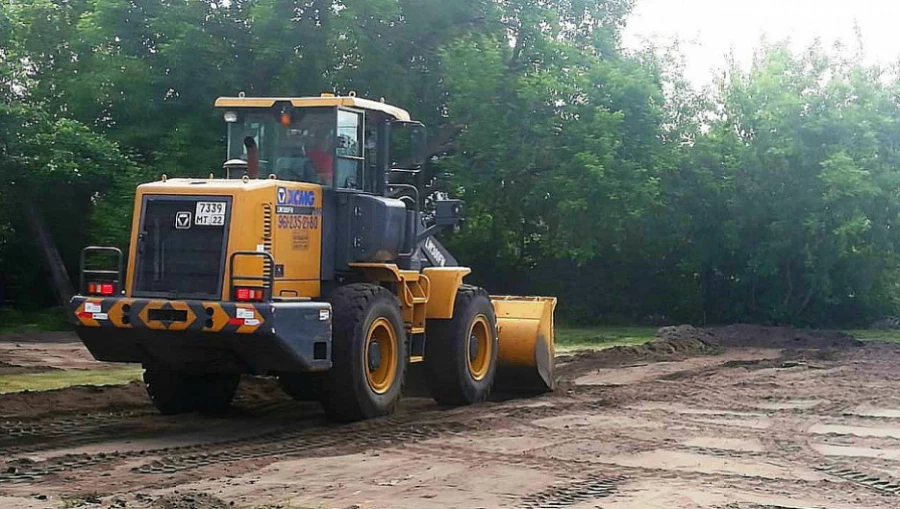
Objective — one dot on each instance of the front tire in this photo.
(368, 353)
(461, 353)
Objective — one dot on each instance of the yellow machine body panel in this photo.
(445, 281)
(324, 100)
(297, 245)
(196, 242)
(283, 219)
(525, 327)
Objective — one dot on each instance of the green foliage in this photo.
(796, 184)
(62, 378)
(79, 181)
(47, 320)
(589, 173)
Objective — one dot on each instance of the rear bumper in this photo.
(257, 338)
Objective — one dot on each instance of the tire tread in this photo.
(447, 380)
(341, 396)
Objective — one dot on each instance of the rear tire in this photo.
(365, 380)
(461, 353)
(214, 392)
(172, 392)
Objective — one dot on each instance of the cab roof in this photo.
(312, 102)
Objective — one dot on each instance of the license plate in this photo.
(210, 213)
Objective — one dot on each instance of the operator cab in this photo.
(367, 156)
(340, 143)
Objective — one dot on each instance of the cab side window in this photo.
(372, 140)
(350, 163)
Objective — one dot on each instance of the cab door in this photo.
(349, 152)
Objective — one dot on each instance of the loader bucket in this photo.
(525, 358)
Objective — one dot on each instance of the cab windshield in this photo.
(293, 145)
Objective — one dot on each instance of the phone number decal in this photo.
(298, 222)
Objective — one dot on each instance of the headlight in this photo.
(231, 117)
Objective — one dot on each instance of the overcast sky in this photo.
(711, 28)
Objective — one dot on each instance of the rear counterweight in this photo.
(214, 337)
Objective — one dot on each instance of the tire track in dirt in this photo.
(23, 437)
(779, 452)
(573, 469)
(337, 444)
(713, 389)
(18, 437)
(315, 439)
(692, 412)
(575, 493)
(869, 480)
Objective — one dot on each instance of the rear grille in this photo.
(178, 258)
(267, 239)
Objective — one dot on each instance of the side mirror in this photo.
(409, 144)
(449, 213)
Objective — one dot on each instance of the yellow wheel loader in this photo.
(312, 261)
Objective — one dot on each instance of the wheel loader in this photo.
(314, 259)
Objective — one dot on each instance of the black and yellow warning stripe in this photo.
(158, 314)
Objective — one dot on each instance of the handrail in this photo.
(82, 271)
(270, 279)
(412, 234)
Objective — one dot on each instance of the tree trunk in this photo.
(806, 300)
(790, 282)
(59, 278)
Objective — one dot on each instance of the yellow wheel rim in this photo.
(479, 347)
(380, 358)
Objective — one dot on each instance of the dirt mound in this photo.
(258, 390)
(189, 501)
(758, 336)
(685, 335)
(73, 400)
(671, 343)
(886, 323)
(683, 341)
(12, 369)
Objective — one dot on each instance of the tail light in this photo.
(249, 294)
(104, 289)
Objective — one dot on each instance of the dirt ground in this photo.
(740, 417)
(40, 352)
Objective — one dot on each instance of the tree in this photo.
(796, 176)
(589, 172)
(79, 181)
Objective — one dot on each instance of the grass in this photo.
(892, 336)
(60, 379)
(45, 320)
(570, 339)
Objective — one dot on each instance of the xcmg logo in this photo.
(296, 197)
